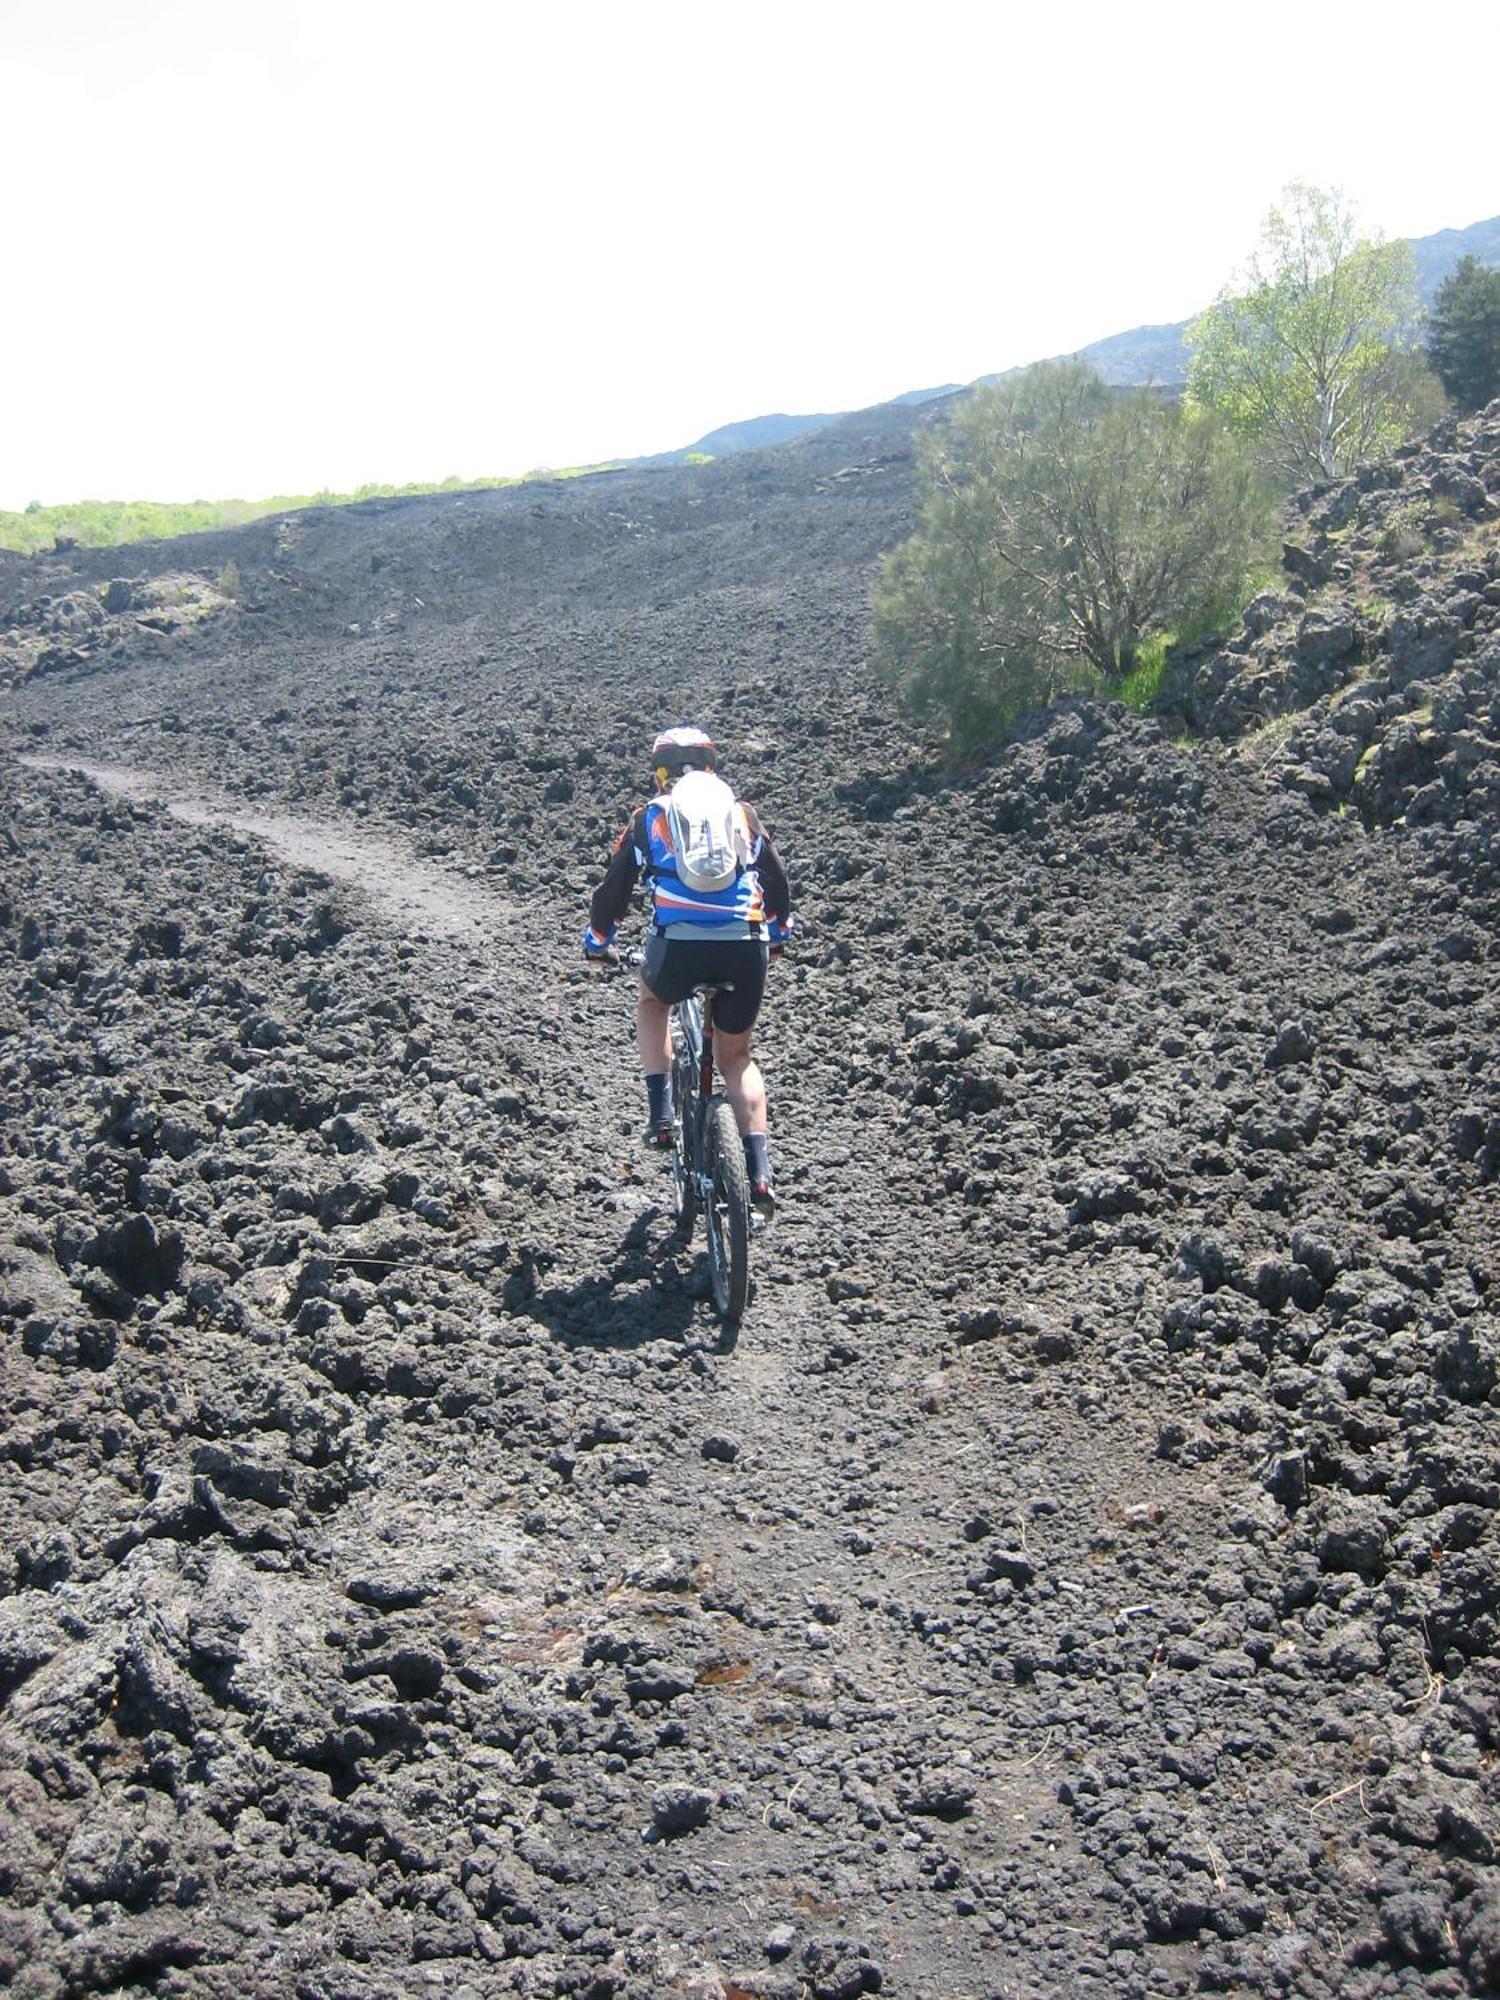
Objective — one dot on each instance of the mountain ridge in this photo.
(1131, 359)
(780, 427)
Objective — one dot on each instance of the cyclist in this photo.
(699, 935)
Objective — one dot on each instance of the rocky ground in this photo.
(1079, 1573)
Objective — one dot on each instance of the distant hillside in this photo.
(105, 524)
(756, 433)
(1159, 353)
(1438, 255)
(1143, 354)
(753, 434)
(915, 396)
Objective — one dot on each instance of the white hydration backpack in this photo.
(707, 831)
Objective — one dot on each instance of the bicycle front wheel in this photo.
(728, 1214)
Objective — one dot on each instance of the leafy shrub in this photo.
(1060, 525)
(1311, 358)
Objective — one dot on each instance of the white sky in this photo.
(270, 247)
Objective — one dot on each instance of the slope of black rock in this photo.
(1079, 1575)
(1370, 680)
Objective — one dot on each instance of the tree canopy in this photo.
(1463, 340)
(1060, 523)
(1312, 357)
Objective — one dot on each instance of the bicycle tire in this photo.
(684, 1131)
(728, 1215)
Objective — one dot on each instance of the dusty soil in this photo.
(1079, 1572)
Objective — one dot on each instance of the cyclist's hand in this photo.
(598, 949)
(779, 936)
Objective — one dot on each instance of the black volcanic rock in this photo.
(1079, 1570)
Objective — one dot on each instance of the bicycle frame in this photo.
(695, 1023)
(696, 1016)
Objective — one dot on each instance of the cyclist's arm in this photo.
(612, 897)
(774, 887)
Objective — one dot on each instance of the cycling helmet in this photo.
(682, 748)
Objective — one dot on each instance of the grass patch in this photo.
(1274, 729)
(1272, 580)
(1261, 742)
(1356, 690)
(1141, 686)
(1140, 689)
(105, 524)
(1482, 540)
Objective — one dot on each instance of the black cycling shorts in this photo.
(674, 966)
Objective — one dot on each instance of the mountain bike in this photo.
(708, 1156)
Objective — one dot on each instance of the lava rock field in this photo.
(1079, 1572)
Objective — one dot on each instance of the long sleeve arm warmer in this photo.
(774, 886)
(612, 897)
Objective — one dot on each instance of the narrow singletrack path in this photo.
(415, 895)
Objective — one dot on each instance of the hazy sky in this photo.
(273, 247)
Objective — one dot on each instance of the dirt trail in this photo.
(416, 896)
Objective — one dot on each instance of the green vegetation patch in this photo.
(1312, 360)
(1065, 533)
(105, 524)
(1142, 685)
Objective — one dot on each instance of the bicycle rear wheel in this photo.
(728, 1214)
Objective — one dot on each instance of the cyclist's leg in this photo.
(653, 1039)
(744, 1085)
(745, 1088)
(653, 1036)
(744, 962)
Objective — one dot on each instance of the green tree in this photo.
(1463, 338)
(1060, 522)
(1312, 358)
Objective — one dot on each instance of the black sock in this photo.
(659, 1094)
(757, 1156)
